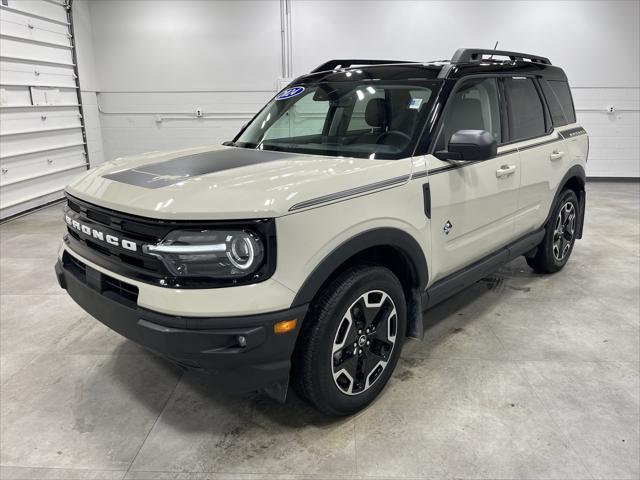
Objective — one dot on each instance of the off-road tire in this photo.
(314, 360)
(556, 247)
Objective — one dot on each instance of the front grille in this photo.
(119, 227)
(134, 264)
(110, 287)
(141, 231)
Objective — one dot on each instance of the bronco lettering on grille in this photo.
(99, 235)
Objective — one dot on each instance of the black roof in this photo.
(465, 61)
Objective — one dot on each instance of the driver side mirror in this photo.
(470, 146)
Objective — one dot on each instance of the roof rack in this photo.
(336, 64)
(471, 55)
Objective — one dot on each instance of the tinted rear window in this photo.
(557, 114)
(563, 94)
(526, 114)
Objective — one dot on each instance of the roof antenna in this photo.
(494, 47)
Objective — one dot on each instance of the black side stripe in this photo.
(507, 152)
(529, 147)
(417, 175)
(446, 168)
(349, 193)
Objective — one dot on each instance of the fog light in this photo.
(285, 326)
(242, 341)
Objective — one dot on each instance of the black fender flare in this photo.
(398, 239)
(577, 171)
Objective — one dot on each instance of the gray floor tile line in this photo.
(319, 476)
(355, 444)
(544, 406)
(6, 380)
(508, 359)
(488, 324)
(303, 476)
(555, 424)
(62, 292)
(602, 302)
(79, 469)
(562, 360)
(272, 475)
(493, 332)
(164, 407)
(628, 251)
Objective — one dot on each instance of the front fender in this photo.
(401, 241)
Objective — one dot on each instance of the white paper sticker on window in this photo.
(415, 103)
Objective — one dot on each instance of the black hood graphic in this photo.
(170, 172)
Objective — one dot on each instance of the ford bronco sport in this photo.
(307, 249)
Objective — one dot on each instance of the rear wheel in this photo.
(557, 245)
(351, 340)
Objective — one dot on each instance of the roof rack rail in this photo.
(336, 64)
(470, 55)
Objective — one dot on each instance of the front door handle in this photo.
(556, 155)
(505, 171)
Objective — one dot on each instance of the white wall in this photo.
(89, 85)
(158, 58)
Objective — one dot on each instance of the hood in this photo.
(211, 183)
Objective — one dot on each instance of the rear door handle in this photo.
(505, 171)
(556, 155)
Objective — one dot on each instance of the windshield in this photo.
(374, 119)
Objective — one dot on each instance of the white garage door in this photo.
(42, 137)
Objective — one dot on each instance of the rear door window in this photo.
(524, 107)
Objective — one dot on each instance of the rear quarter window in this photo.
(555, 109)
(563, 94)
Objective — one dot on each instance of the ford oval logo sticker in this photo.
(289, 92)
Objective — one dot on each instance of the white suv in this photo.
(309, 247)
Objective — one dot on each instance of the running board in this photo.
(454, 283)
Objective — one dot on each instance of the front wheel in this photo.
(557, 245)
(351, 340)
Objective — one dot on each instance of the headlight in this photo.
(220, 254)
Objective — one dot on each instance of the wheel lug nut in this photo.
(360, 352)
(359, 332)
(368, 342)
(355, 344)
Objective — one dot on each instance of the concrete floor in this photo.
(522, 376)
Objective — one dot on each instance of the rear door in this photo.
(473, 204)
(542, 150)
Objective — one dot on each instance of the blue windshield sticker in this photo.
(289, 92)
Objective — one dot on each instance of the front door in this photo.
(473, 204)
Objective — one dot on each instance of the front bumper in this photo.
(240, 353)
